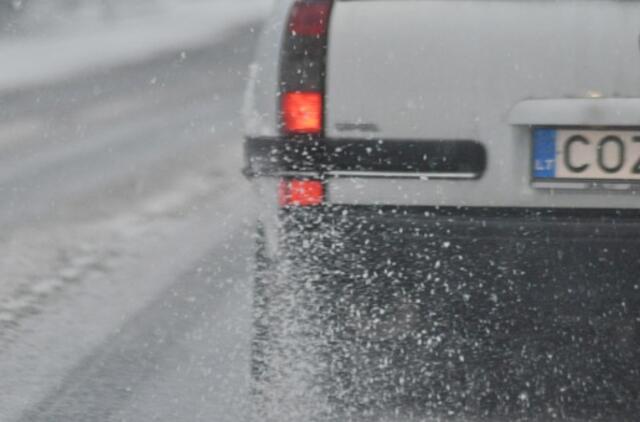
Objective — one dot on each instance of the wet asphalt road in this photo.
(94, 147)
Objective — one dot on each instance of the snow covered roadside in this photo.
(39, 262)
(100, 263)
(73, 49)
(66, 286)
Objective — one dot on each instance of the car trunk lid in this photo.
(443, 69)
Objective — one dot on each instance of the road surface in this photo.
(125, 242)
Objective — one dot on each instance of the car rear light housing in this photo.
(309, 18)
(303, 69)
(301, 192)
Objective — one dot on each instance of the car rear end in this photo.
(462, 178)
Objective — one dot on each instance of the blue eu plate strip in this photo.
(544, 153)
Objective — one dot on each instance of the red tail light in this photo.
(309, 18)
(302, 112)
(304, 193)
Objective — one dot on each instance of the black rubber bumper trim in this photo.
(277, 156)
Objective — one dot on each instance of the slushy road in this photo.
(126, 242)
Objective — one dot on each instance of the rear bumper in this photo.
(448, 173)
(535, 304)
(448, 159)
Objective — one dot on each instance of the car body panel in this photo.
(620, 112)
(469, 70)
(262, 94)
(486, 71)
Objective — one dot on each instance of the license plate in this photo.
(586, 155)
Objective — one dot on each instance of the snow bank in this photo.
(75, 47)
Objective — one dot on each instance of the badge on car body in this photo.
(360, 127)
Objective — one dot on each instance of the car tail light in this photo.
(309, 18)
(303, 69)
(302, 193)
(302, 112)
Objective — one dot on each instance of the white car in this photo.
(450, 221)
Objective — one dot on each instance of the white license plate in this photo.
(594, 155)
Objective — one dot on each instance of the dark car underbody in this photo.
(480, 313)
